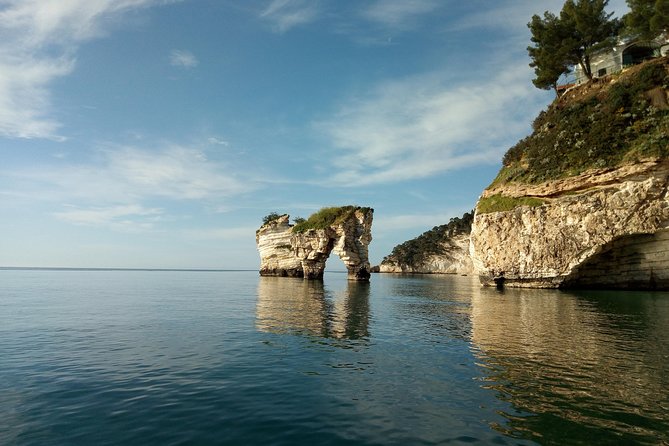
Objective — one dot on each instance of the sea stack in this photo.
(301, 250)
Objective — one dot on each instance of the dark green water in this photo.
(198, 358)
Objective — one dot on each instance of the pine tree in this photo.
(582, 28)
(591, 30)
(647, 19)
(549, 58)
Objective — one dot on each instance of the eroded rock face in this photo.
(454, 260)
(276, 251)
(285, 253)
(607, 228)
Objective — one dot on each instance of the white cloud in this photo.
(512, 16)
(126, 218)
(38, 43)
(183, 59)
(287, 14)
(515, 15)
(399, 13)
(122, 175)
(25, 109)
(128, 189)
(426, 125)
(217, 141)
(177, 172)
(221, 233)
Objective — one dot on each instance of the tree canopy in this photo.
(561, 42)
(647, 19)
(270, 217)
(433, 242)
(549, 57)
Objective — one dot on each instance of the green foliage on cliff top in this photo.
(271, 217)
(327, 217)
(598, 125)
(500, 203)
(417, 250)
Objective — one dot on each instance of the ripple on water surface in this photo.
(122, 357)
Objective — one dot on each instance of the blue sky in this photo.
(158, 133)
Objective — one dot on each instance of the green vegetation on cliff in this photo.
(647, 18)
(501, 203)
(601, 124)
(417, 250)
(327, 217)
(271, 217)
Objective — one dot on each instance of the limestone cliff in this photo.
(454, 260)
(604, 228)
(443, 249)
(584, 200)
(301, 250)
(277, 254)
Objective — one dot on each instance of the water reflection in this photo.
(300, 306)
(435, 305)
(580, 368)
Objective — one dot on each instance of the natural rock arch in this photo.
(287, 252)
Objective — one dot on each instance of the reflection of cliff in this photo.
(307, 307)
(442, 311)
(566, 359)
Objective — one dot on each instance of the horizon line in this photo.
(76, 268)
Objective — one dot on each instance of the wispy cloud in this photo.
(426, 125)
(286, 14)
(217, 141)
(126, 218)
(25, 106)
(514, 15)
(38, 44)
(183, 59)
(399, 13)
(221, 233)
(176, 172)
(121, 179)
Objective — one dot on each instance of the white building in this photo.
(623, 55)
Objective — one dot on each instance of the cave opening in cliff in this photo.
(639, 261)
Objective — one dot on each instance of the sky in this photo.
(159, 133)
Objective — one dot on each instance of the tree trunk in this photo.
(585, 66)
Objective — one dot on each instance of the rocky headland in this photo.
(443, 249)
(301, 250)
(584, 200)
(604, 228)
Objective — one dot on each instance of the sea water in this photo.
(220, 357)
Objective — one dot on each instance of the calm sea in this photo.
(199, 358)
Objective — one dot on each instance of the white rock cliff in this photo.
(454, 260)
(284, 252)
(606, 228)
